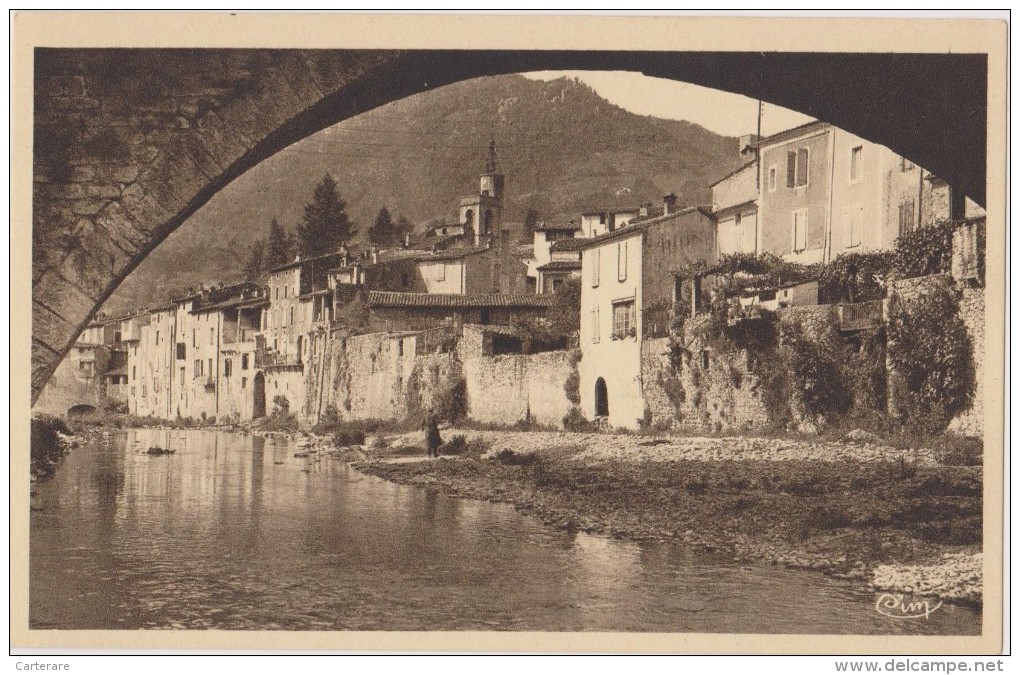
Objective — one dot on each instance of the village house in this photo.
(240, 387)
(825, 191)
(735, 208)
(541, 275)
(596, 222)
(628, 294)
(153, 360)
(80, 382)
(122, 378)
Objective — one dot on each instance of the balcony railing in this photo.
(243, 335)
(272, 359)
(860, 316)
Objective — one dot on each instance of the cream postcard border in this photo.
(353, 31)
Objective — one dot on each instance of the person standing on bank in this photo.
(430, 424)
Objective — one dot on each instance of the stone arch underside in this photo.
(129, 143)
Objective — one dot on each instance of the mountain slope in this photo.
(562, 147)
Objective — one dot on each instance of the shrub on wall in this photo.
(932, 356)
(281, 419)
(451, 403)
(572, 385)
(328, 422)
(816, 362)
(575, 420)
(354, 315)
(926, 250)
(855, 277)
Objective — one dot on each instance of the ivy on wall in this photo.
(932, 355)
(926, 250)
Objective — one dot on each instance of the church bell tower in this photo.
(492, 179)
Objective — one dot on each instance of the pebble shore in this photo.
(957, 577)
(602, 447)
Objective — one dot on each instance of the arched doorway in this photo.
(601, 398)
(259, 403)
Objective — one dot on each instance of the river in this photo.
(234, 532)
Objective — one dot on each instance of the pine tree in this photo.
(256, 253)
(325, 226)
(382, 233)
(278, 247)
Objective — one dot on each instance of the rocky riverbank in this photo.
(51, 439)
(888, 518)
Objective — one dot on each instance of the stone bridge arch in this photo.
(129, 143)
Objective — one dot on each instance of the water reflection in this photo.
(233, 532)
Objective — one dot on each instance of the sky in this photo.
(718, 111)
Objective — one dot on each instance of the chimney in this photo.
(746, 143)
(669, 204)
(375, 255)
(645, 209)
(407, 241)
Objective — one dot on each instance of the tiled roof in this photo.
(393, 299)
(554, 265)
(574, 244)
(455, 253)
(610, 209)
(791, 133)
(236, 302)
(557, 227)
(430, 241)
(735, 172)
(302, 261)
(635, 227)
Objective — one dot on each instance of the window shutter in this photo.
(621, 261)
(800, 224)
(802, 166)
(856, 225)
(791, 168)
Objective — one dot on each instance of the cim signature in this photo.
(894, 606)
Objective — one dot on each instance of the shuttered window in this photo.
(854, 217)
(595, 325)
(800, 225)
(855, 163)
(595, 259)
(797, 167)
(906, 216)
(621, 261)
(802, 166)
